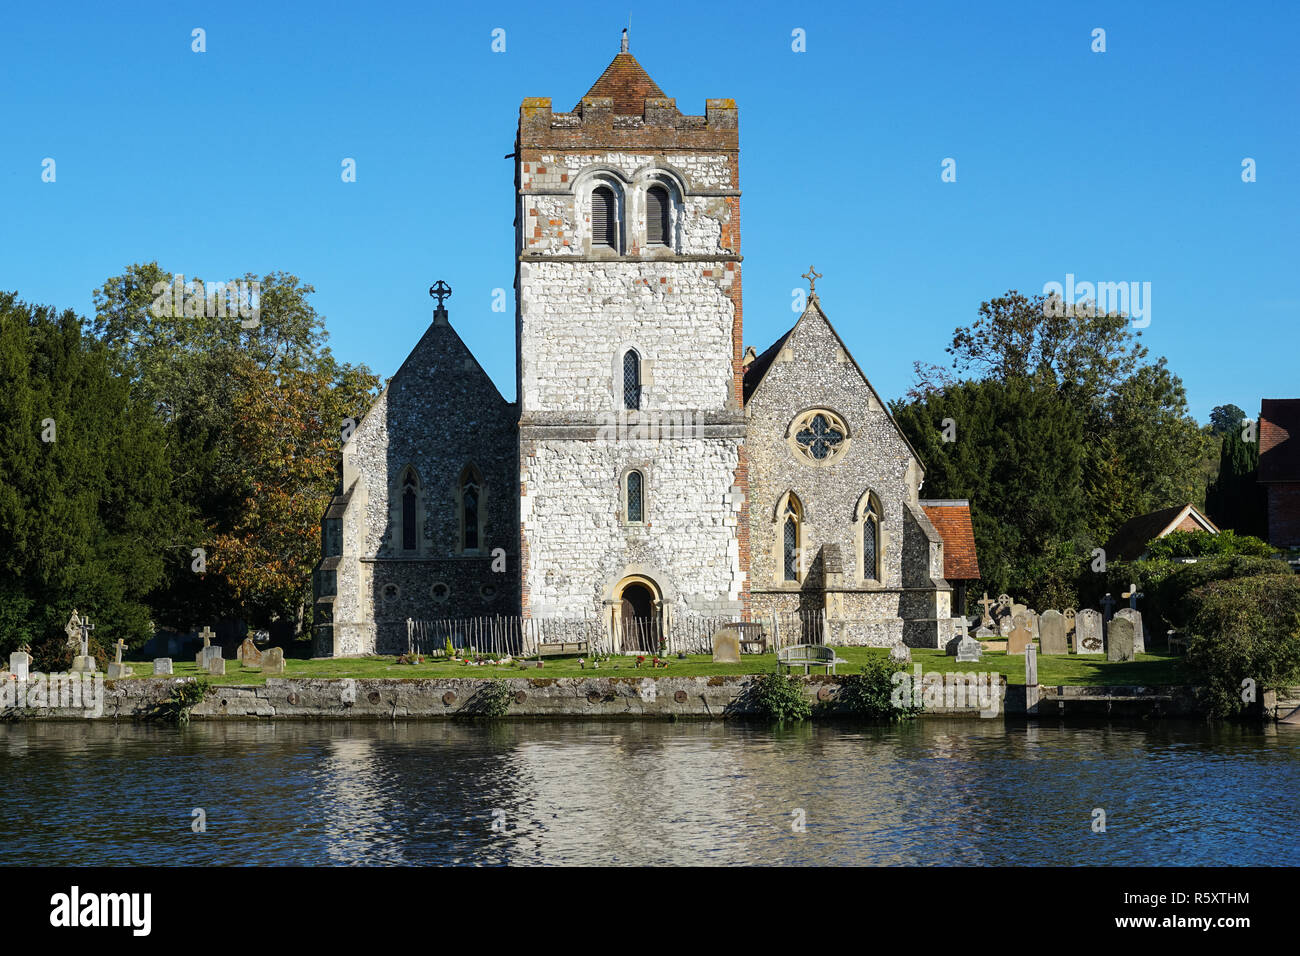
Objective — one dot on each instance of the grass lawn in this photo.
(1148, 669)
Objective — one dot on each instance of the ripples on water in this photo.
(932, 792)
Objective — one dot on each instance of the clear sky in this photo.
(1117, 166)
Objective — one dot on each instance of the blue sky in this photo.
(1115, 166)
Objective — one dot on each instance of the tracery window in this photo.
(818, 436)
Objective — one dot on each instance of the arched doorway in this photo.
(638, 616)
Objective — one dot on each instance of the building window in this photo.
(631, 380)
(470, 495)
(440, 592)
(488, 592)
(604, 217)
(868, 516)
(657, 209)
(635, 484)
(818, 436)
(410, 510)
(391, 592)
(469, 501)
(790, 519)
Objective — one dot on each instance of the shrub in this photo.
(176, 708)
(492, 701)
(780, 698)
(1244, 628)
(1172, 595)
(1201, 544)
(870, 694)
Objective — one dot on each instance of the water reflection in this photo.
(931, 792)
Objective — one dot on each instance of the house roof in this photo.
(756, 369)
(1279, 439)
(628, 83)
(1131, 540)
(951, 518)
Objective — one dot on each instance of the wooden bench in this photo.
(806, 656)
(751, 636)
(557, 648)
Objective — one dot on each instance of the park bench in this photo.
(806, 656)
(556, 648)
(752, 638)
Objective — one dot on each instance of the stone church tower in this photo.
(631, 428)
(652, 475)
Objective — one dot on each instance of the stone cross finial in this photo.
(986, 604)
(812, 275)
(1107, 603)
(1133, 594)
(440, 290)
(121, 646)
(207, 636)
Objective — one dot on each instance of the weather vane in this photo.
(812, 275)
(440, 290)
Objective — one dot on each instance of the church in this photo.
(652, 468)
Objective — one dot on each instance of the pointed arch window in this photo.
(790, 519)
(410, 510)
(631, 380)
(469, 504)
(657, 208)
(470, 495)
(604, 217)
(869, 537)
(634, 486)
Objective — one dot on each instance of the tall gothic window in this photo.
(604, 217)
(631, 380)
(790, 518)
(410, 513)
(469, 502)
(657, 206)
(635, 496)
(868, 513)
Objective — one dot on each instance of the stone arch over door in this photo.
(637, 612)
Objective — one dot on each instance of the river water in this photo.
(931, 792)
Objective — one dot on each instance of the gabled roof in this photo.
(951, 518)
(1279, 439)
(629, 85)
(1130, 542)
(756, 369)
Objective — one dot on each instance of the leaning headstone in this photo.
(248, 654)
(19, 662)
(1051, 633)
(969, 650)
(273, 661)
(726, 646)
(1020, 636)
(1087, 632)
(1119, 640)
(1134, 615)
(217, 665)
(162, 667)
(900, 653)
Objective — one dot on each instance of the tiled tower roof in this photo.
(629, 85)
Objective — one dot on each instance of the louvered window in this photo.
(656, 216)
(631, 380)
(604, 217)
(634, 496)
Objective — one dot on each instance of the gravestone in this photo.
(273, 660)
(117, 668)
(1119, 640)
(206, 655)
(1051, 633)
(19, 663)
(1033, 623)
(162, 667)
(1134, 615)
(726, 646)
(969, 650)
(1020, 636)
(1087, 632)
(217, 665)
(900, 653)
(78, 630)
(1031, 666)
(248, 654)
(987, 619)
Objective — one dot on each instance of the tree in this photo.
(1225, 418)
(1236, 500)
(85, 512)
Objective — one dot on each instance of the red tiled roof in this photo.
(952, 520)
(627, 83)
(1130, 540)
(1279, 439)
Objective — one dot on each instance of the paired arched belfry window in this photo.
(791, 519)
(634, 490)
(604, 217)
(631, 380)
(657, 220)
(410, 510)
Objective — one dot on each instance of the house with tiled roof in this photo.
(1130, 540)
(1279, 468)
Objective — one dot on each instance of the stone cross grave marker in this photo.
(117, 668)
(207, 653)
(987, 619)
(1052, 633)
(1087, 632)
(1134, 615)
(1133, 594)
(78, 631)
(1119, 640)
(1020, 636)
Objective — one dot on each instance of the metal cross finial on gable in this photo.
(812, 275)
(440, 290)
